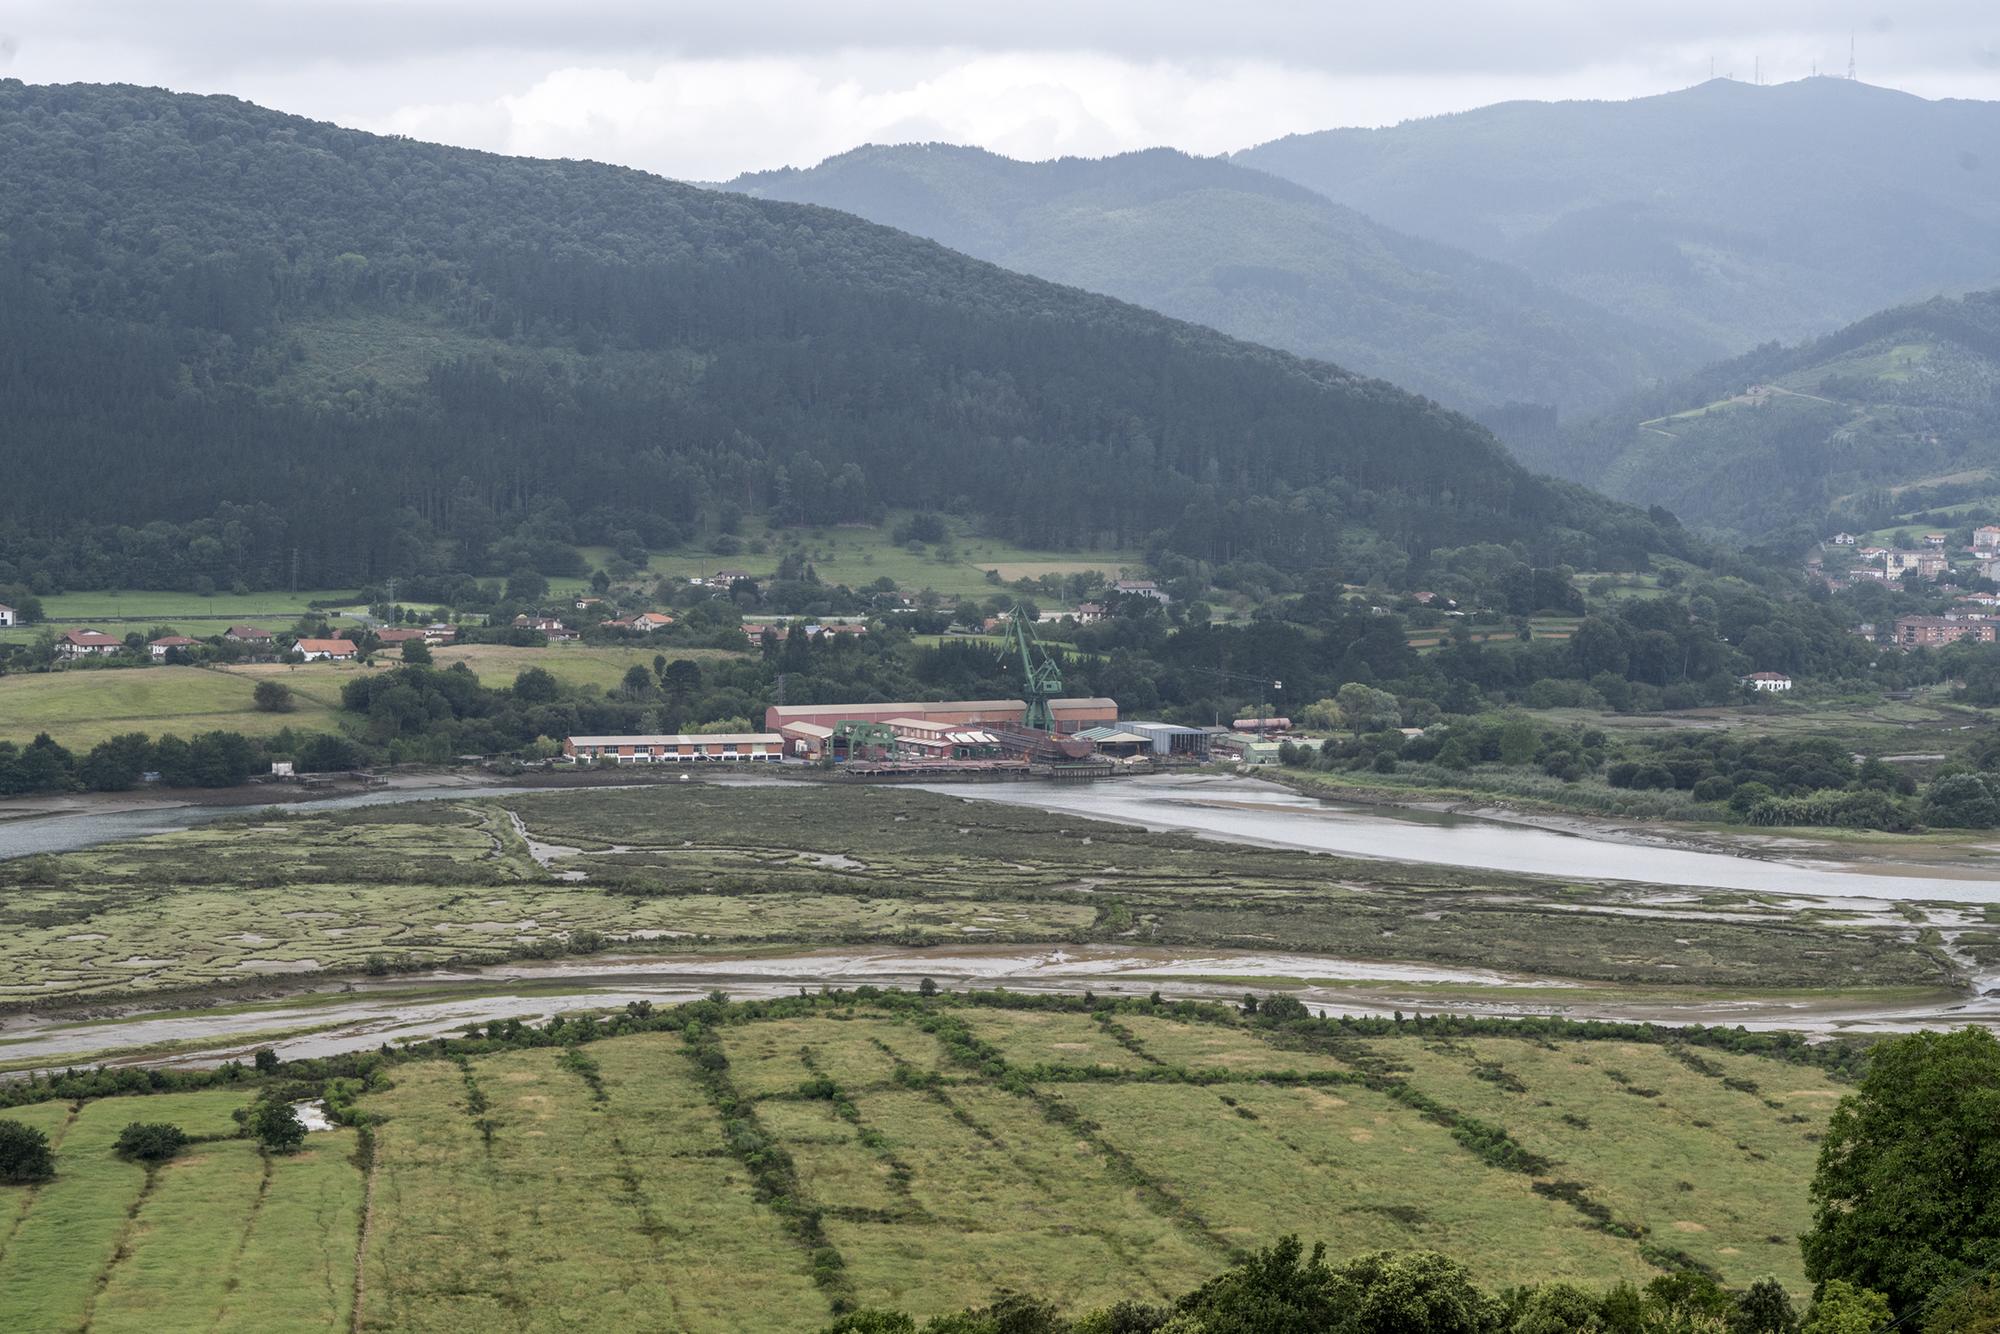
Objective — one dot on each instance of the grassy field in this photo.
(721, 867)
(185, 610)
(600, 665)
(841, 1154)
(82, 708)
(860, 555)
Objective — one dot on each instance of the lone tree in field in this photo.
(1907, 1194)
(272, 697)
(24, 1154)
(276, 1125)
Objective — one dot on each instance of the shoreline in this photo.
(1792, 847)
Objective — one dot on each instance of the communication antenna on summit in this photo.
(1850, 55)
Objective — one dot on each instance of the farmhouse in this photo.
(87, 644)
(1768, 681)
(1140, 588)
(161, 647)
(248, 634)
(396, 638)
(325, 650)
(439, 632)
(8, 616)
(676, 748)
(1986, 539)
(720, 579)
(649, 621)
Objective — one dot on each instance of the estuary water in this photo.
(1247, 811)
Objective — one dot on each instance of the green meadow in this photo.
(858, 555)
(82, 707)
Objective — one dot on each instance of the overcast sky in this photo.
(707, 90)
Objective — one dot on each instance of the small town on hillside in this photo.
(1961, 570)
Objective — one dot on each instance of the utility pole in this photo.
(295, 569)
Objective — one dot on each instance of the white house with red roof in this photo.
(325, 650)
(87, 644)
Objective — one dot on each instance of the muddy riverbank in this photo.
(329, 1018)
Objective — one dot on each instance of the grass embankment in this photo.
(756, 1174)
(699, 866)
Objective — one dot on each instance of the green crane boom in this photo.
(1041, 679)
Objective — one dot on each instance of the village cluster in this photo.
(1845, 560)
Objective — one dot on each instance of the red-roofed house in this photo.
(247, 634)
(161, 647)
(650, 621)
(325, 650)
(87, 644)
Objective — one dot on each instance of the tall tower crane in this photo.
(1041, 679)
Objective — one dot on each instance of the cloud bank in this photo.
(706, 91)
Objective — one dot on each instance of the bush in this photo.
(1715, 787)
(151, 1141)
(1961, 801)
(272, 697)
(24, 1154)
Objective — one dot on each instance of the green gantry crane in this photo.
(859, 735)
(1041, 679)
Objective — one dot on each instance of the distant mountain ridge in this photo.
(1897, 409)
(1256, 257)
(1731, 212)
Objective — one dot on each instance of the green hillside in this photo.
(1893, 414)
(1732, 212)
(1256, 257)
(365, 356)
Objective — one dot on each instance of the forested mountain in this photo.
(1895, 412)
(1734, 212)
(1256, 257)
(396, 357)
